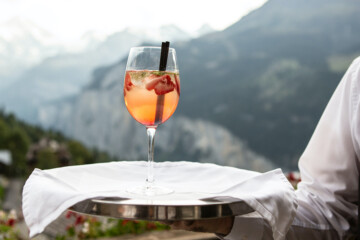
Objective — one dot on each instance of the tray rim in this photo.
(108, 207)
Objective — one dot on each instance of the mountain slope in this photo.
(268, 77)
(23, 44)
(65, 74)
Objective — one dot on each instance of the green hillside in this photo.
(19, 137)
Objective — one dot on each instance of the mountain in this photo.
(98, 117)
(265, 80)
(65, 74)
(204, 29)
(268, 77)
(23, 44)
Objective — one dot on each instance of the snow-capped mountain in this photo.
(204, 29)
(65, 73)
(22, 45)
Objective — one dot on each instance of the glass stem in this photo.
(150, 168)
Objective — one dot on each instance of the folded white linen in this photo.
(48, 193)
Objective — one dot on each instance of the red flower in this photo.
(291, 176)
(10, 222)
(79, 220)
(124, 222)
(150, 226)
(69, 214)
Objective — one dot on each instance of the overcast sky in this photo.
(70, 19)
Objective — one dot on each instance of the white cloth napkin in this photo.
(49, 193)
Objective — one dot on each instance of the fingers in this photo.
(189, 223)
(167, 222)
(180, 225)
(184, 225)
(222, 225)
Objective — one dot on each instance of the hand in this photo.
(219, 225)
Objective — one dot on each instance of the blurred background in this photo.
(255, 78)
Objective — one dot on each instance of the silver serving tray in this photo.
(160, 210)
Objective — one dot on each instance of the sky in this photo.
(68, 20)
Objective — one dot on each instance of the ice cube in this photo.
(138, 77)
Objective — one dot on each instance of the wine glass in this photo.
(151, 94)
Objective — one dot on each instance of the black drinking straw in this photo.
(162, 67)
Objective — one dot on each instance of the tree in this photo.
(79, 154)
(47, 159)
(17, 142)
(3, 133)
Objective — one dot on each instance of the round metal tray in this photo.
(160, 210)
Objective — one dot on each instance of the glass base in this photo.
(150, 190)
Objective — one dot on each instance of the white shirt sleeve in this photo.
(329, 167)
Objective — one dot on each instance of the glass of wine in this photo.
(151, 94)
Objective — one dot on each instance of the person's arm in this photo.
(329, 167)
